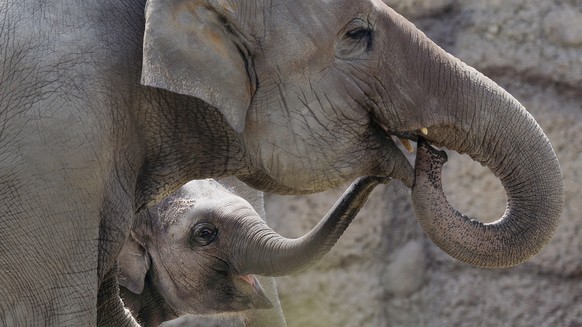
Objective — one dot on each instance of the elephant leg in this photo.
(110, 309)
(48, 255)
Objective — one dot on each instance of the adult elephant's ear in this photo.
(190, 48)
(134, 263)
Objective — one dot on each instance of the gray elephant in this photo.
(106, 107)
(195, 252)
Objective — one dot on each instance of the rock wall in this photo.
(384, 271)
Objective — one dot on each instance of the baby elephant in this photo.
(195, 252)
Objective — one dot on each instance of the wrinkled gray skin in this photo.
(194, 253)
(487, 245)
(290, 96)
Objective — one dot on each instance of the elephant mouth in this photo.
(433, 136)
(404, 137)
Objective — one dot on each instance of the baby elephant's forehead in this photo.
(202, 188)
(227, 205)
(202, 201)
(184, 212)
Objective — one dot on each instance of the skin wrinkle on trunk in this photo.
(475, 116)
(274, 255)
(506, 242)
(467, 112)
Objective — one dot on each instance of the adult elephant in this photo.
(290, 96)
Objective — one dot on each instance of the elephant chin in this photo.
(390, 162)
(263, 182)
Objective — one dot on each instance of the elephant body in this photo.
(67, 180)
(76, 154)
(106, 107)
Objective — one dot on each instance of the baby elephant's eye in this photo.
(203, 234)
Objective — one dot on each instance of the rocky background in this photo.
(384, 271)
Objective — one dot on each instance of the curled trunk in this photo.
(526, 226)
(273, 255)
(450, 104)
(493, 128)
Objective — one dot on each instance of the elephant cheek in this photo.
(173, 280)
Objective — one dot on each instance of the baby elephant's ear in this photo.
(190, 48)
(134, 263)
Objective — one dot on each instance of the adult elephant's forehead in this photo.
(321, 17)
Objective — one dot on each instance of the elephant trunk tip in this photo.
(433, 163)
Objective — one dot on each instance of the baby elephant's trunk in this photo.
(274, 255)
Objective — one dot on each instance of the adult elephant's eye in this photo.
(203, 234)
(360, 34)
(355, 40)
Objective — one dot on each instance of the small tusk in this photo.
(407, 145)
(424, 131)
(383, 127)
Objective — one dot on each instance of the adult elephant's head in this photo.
(318, 89)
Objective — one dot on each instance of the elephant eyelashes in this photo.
(355, 40)
(203, 234)
(360, 35)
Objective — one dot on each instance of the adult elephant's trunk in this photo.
(479, 118)
(270, 254)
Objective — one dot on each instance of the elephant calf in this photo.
(195, 252)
